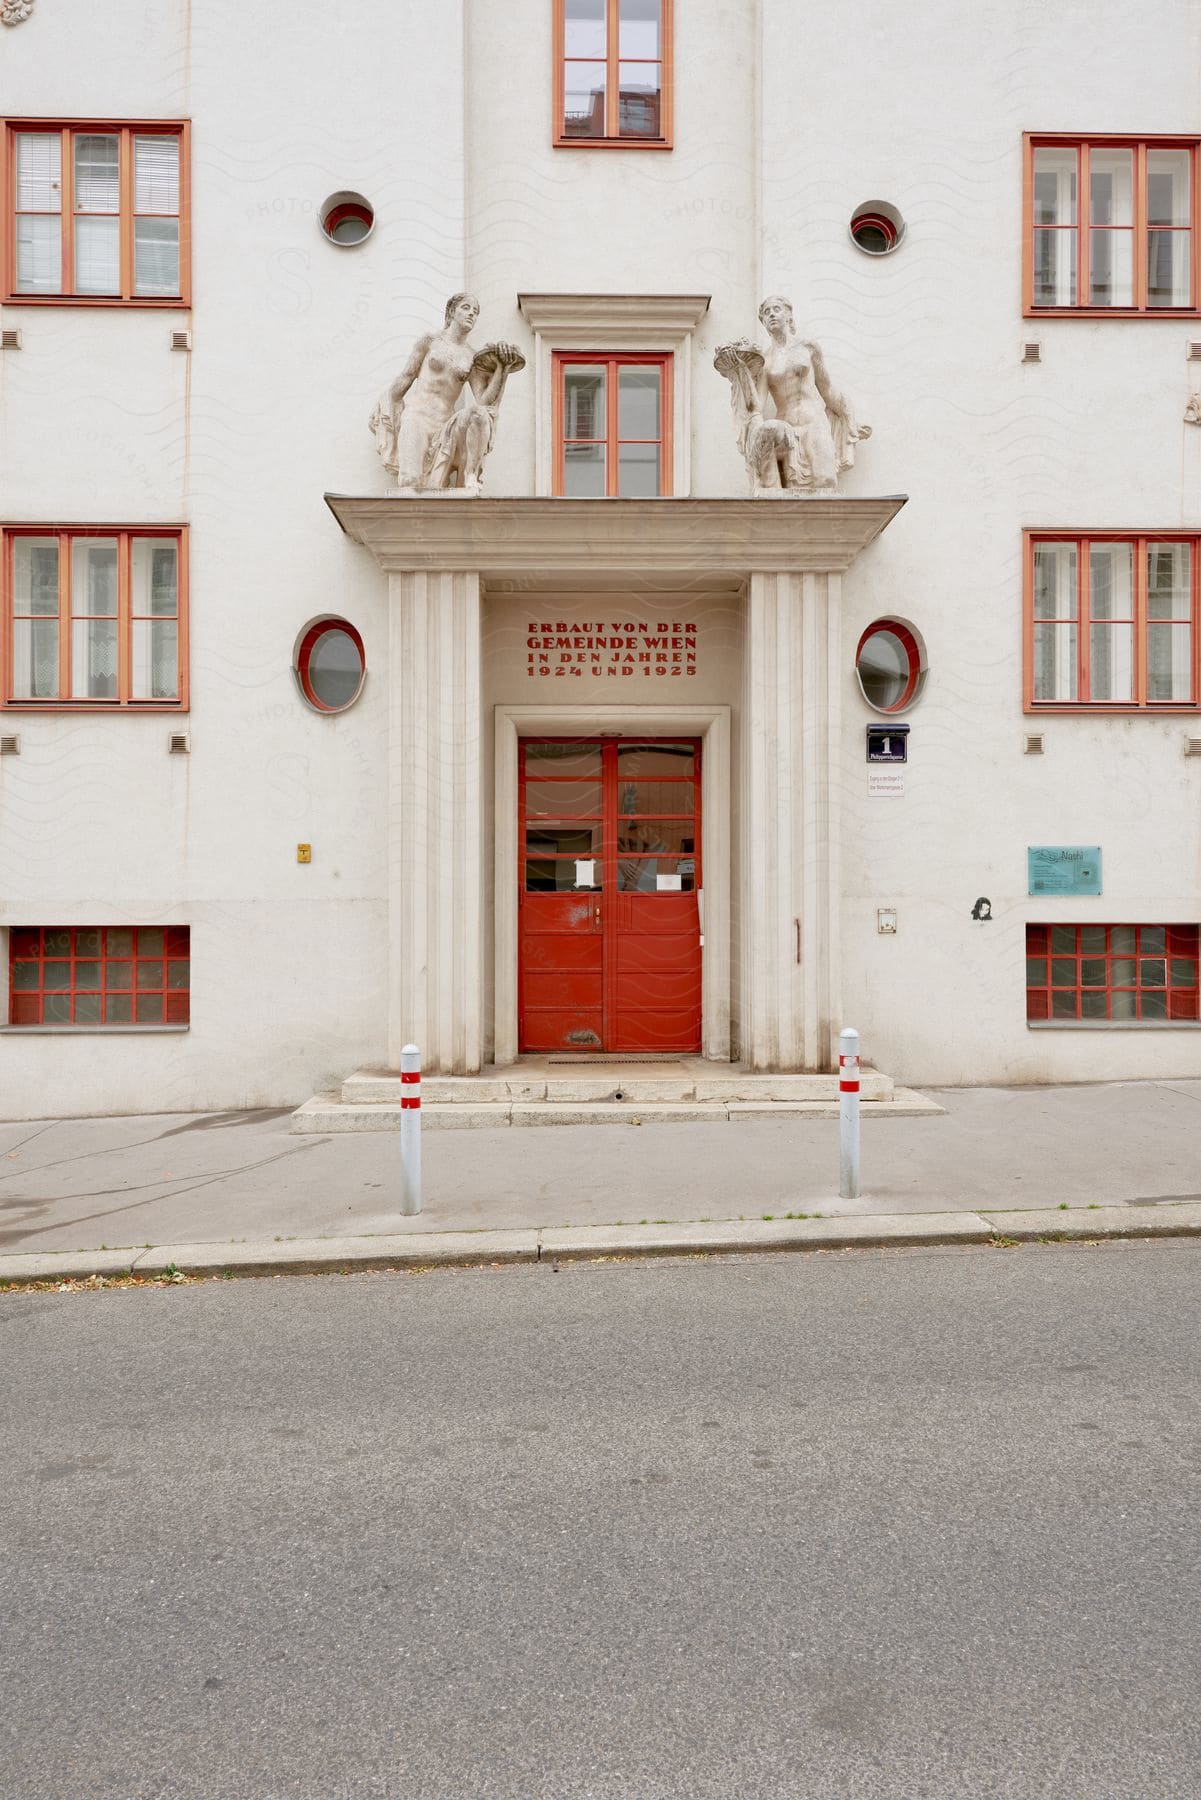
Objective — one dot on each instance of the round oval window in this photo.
(330, 665)
(889, 666)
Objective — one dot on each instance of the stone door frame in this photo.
(712, 725)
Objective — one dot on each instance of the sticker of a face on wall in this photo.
(983, 910)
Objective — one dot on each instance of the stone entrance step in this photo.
(536, 1092)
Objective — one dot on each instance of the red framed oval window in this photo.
(331, 665)
(890, 666)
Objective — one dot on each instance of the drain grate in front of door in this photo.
(614, 1058)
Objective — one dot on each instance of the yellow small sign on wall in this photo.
(304, 853)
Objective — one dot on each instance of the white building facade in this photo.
(231, 871)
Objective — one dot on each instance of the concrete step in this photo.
(374, 1087)
(331, 1113)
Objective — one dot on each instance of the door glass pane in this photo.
(638, 111)
(1055, 268)
(1111, 581)
(638, 401)
(638, 471)
(584, 471)
(1168, 278)
(97, 187)
(1169, 571)
(97, 256)
(1111, 268)
(1055, 186)
(583, 99)
(584, 400)
(1111, 186)
(654, 797)
(562, 799)
(39, 171)
(94, 576)
(39, 255)
(656, 837)
(1169, 656)
(642, 760)
(1167, 187)
(156, 257)
(567, 837)
(563, 759)
(156, 174)
(639, 28)
(155, 577)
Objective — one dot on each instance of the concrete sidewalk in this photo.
(224, 1179)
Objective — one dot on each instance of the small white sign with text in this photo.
(886, 783)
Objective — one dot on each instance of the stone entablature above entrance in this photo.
(563, 536)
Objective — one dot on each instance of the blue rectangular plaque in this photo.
(1064, 868)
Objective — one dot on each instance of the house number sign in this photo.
(887, 743)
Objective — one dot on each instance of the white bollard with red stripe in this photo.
(848, 1113)
(410, 1130)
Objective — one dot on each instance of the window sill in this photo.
(1161, 709)
(1113, 1024)
(93, 706)
(617, 143)
(1167, 313)
(160, 305)
(92, 1030)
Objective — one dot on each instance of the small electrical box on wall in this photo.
(886, 921)
(304, 853)
(887, 743)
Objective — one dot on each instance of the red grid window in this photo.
(612, 425)
(1119, 972)
(99, 975)
(1112, 622)
(96, 214)
(1112, 226)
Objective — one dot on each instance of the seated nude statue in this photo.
(811, 440)
(431, 434)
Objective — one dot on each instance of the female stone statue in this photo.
(812, 438)
(430, 433)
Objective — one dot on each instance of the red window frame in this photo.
(1064, 961)
(151, 976)
(612, 137)
(1141, 542)
(614, 360)
(308, 644)
(1081, 306)
(126, 130)
(124, 700)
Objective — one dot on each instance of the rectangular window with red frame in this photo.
(1112, 622)
(95, 617)
(1112, 225)
(1123, 973)
(612, 425)
(96, 213)
(99, 975)
(612, 73)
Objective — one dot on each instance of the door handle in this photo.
(700, 913)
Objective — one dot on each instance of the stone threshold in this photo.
(332, 1113)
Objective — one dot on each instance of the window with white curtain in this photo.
(1113, 622)
(98, 212)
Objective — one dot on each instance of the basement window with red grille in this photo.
(99, 975)
(1127, 974)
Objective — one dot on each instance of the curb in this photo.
(726, 1237)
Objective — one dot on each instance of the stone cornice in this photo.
(583, 312)
(506, 537)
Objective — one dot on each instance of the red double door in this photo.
(610, 933)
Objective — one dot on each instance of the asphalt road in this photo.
(860, 1524)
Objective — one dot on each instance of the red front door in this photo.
(610, 945)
